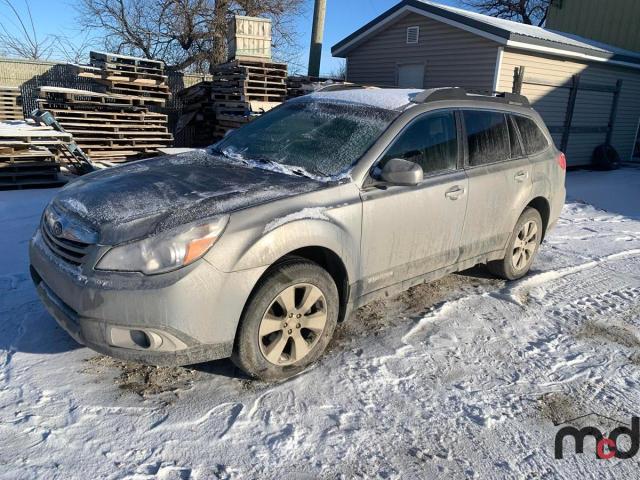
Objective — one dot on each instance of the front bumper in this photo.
(193, 313)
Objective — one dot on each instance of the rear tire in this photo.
(522, 247)
(288, 321)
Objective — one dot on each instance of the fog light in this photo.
(148, 339)
(140, 338)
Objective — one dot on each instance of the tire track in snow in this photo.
(513, 292)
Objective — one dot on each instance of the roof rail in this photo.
(457, 93)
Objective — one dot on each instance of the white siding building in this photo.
(573, 82)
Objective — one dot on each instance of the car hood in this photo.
(130, 201)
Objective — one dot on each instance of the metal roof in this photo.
(504, 32)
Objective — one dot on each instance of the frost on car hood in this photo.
(130, 201)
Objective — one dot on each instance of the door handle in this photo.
(521, 176)
(454, 193)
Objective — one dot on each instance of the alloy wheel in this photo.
(525, 245)
(293, 324)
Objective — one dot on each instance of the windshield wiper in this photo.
(295, 169)
(302, 172)
(235, 158)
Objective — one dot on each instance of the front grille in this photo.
(70, 250)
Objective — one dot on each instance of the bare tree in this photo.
(340, 71)
(73, 50)
(186, 34)
(23, 40)
(531, 12)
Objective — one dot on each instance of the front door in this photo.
(499, 182)
(408, 231)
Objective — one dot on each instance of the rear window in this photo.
(533, 138)
(487, 137)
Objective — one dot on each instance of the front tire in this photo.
(288, 321)
(522, 247)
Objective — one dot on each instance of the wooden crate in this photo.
(249, 38)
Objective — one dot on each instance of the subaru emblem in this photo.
(57, 229)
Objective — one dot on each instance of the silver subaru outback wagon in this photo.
(257, 247)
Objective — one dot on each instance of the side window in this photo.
(532, 137)
(487, 136)
(514, 141)
(430, 141)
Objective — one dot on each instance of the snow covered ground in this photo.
(461, 378)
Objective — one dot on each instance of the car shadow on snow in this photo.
(35, 331)
(223, 368)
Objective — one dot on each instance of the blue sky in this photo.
(58, 17)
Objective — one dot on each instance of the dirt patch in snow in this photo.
(144, 380)
(558, 407)
(621, 334)
(422, 297)
(375, 317)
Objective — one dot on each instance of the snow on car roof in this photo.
(387, 98)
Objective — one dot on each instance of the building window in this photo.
(413, 35)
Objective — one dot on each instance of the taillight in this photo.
(562, 161)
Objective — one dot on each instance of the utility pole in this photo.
(315, 53)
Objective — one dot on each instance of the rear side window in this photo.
(487, 137)
(431, 141)
(516, 146)
(532, 137)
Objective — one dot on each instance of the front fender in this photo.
(259, 236)
(328, 233)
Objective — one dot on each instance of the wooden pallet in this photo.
(70, 96)
(29, 155)
(303, 85)
(10, 104)
(99, 58)
(111, 116)
(96, 73)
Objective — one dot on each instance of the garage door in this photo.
(580, 113)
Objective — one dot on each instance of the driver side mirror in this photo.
(402, 172)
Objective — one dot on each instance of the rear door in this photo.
(499, 181)
(411, 230)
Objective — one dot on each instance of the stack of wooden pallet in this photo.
(240, 90)
(243, 89)
(303, 85)
(29, 155)
(10, 105)
(124, 75)
(114, 124)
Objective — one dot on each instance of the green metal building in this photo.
(616, 22)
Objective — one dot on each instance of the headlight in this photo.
(166, 251)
